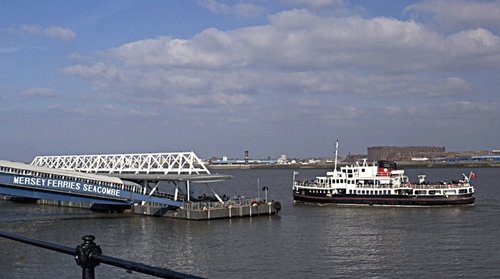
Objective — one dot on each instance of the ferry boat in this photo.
(382, 184)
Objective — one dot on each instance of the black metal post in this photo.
(84, 256)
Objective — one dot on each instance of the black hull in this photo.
(22, 199)
(118, 208)
(387, 200)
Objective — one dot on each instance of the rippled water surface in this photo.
(303, 241)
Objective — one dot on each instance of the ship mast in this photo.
(336, 155)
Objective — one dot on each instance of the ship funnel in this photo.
(421, 179)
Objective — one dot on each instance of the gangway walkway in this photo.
(180, 163)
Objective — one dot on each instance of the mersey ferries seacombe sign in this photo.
(64, 185)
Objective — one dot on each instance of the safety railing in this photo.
(234, 202)
(88, 255)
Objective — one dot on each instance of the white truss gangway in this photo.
(147, 163)
(145, 168)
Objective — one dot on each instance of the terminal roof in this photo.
(69, 173)
(195, 178)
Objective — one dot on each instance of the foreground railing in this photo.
(88, 255)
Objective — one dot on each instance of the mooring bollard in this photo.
(83, 256)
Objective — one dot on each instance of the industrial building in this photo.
(404, 153)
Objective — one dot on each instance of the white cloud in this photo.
(238, 9)
(60, 33)
(300, 55)
(54, 32)
(301, 39)
(316, 3)
(100, 74)
(38, 93)
(459, 13)
(76, 56)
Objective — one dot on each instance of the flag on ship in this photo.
(472, 175)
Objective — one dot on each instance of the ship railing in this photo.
(373, 186)
(167, 196)
(309, 183)
(442, 185)
(234, 202)
(437, 186)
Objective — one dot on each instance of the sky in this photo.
(271, 77)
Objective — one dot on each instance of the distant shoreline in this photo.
(402, 165)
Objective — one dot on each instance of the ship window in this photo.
(420, 192)
(462, 191)
(362, 170)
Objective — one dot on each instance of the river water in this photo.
(303, 241)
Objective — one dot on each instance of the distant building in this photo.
(403, 153)
(282, 160)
